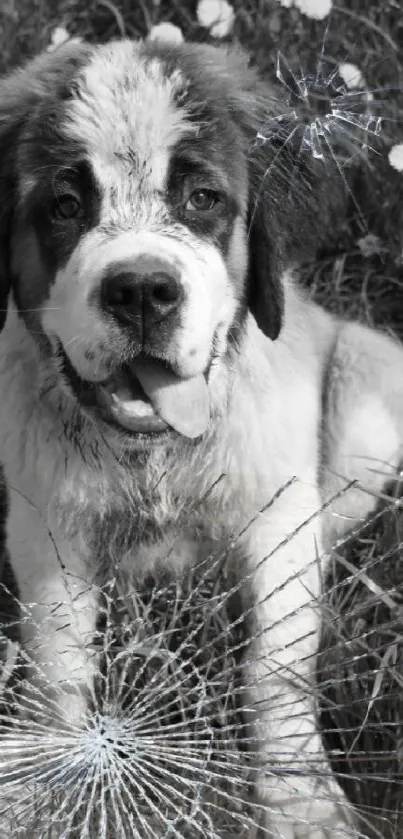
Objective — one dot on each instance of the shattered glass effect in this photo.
(325, 113)
(160, 735)
(164, 750)
(318, 118)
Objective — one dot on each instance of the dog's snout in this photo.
(131, 296)
(163, 291)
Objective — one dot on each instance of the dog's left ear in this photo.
(295, 204)
(281, 190)
(254, 104)
(264, 282)
(20, 94)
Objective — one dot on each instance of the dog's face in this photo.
(137, 240)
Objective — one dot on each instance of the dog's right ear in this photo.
(12, 101)
(5, 281)
(20, 95)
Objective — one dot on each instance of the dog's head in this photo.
(138, 224)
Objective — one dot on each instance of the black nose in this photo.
(148, 298)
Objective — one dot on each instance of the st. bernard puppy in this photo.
(165, 387)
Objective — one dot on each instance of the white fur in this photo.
(72, 314)
(125, 104)
(265, 432)
(363, 429)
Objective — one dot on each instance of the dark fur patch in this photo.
(32, 103)
(56, 238)
(186, 174)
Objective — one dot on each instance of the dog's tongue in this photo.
(183, 404)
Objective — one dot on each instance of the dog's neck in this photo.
(78, 472)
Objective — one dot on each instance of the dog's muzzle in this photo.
(144, 395)
(144, 297)
(148, 397)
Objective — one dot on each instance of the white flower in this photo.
(351, 75)
(216, 15)
(315, 9)
(370, 245)
(167, 32)
(395, 157)
(59, 36)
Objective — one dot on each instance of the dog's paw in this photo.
(290, 829)
(313, 811)
(300, 825)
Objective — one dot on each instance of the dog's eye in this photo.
(67, 207)
(202, 200)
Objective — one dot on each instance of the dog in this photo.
(167, 388)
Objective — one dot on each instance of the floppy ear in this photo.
(20, 95)
(293, 203)
(267, 226)
(266, 265)
(4, 274)
(252, 103)
(296, 203)
(10, 120)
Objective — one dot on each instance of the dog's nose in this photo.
(133, 297)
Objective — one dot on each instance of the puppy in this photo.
(162, 377)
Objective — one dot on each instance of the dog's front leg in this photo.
(298, 794)
(58, 613)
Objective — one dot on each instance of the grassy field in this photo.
(358, 271)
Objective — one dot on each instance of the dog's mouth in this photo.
(146, 397)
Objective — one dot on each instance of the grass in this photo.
(357, 272)
(361, 667)
(164, 733)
